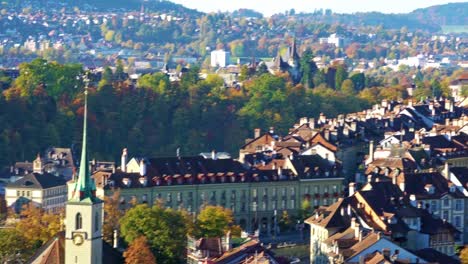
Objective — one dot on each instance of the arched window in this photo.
(96, 222)
(78, 221)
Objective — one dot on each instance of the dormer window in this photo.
(143, 181)
(429, 188)
(126, 182)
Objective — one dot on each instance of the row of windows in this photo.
(23, 193)
(458, 204)
(55, 191)
(54, 201)
(233, 195)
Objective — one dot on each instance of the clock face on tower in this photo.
(78, 239)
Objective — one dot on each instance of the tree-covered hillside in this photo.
(449, 14)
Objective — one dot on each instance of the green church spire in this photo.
(84, 188)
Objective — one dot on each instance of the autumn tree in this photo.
(38, 226)
(464, 255)
(213, 221)
(112, 214)
(139, 252)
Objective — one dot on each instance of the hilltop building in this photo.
(220, 58)
(287, 62)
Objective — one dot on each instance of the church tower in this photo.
(84, 212)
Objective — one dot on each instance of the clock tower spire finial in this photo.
(84, 187)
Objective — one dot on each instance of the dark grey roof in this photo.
(38, 181)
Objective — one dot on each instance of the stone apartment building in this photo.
(255, 196)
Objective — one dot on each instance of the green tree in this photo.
(306, 209)
(213, 221)
(13, 247)
(340, 76)
(319, 78)
(359, 81)
(165, 230)
(308, 68)
(347, 87)
(285, 221)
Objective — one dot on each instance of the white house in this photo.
(220, 58)
(43, 190)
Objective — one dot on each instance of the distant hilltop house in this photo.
(220, 58)
(457, 85)
(334, 39)
(287, 62)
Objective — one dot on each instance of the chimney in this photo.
(394, 179)
(360, 235)
(352, 188)
(448, 105)
(322, 118)
(303, 120)
(353, 222)
(446, 172)
(116, 239)
(447, 122)
(272, 130)
(371, 151)
(356, 230)
(257, 132)
(280, 171)
(417, 138)
(326, 134)
(402, 186)
(123, 166)
(213, 154)
(142, 167)
(410, 102)
(312, 123)
(228, 246)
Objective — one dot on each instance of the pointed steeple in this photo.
(84, 187)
